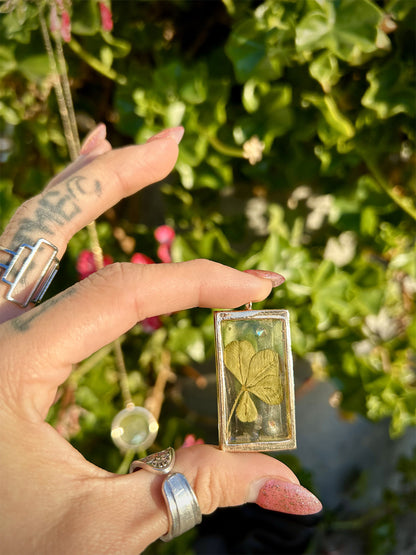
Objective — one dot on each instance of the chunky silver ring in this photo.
(183, 509)
(35, 264)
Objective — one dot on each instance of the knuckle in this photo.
(212, 483)
(118, 279)
(114, 273)
(207, 488)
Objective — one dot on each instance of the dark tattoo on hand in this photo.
(23, 323)
(57, 207)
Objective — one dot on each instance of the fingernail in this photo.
(94, 137)
(275, 278)
(287, 497)
(175, 133)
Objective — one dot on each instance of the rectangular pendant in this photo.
(256, 400)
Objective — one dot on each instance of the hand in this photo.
(53, 500)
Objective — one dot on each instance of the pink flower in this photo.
(190, 440)
(86, 264)
(151, 324)
(106, 17)
(164, 234)
(140, 258)
(65, 26)
(163, 252)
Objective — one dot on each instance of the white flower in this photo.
(256, 209)
(300, 193)
(321, 206)
(342, 250)
(362, 348)
(253, 150)
(382, 325)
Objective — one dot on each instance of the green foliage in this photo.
(377, 528)
(298, 157)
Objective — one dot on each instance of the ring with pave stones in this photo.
(158, 463)
(181, 502)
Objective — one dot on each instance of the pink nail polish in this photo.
(93, 138)
(275, 278)
(287, 497)
(175, 133)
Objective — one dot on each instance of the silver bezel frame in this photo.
(241, 315)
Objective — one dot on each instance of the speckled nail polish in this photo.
(286, 497)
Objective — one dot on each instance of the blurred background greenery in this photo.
(298, 157)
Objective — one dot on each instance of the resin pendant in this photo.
(134, 428)
(256, 406)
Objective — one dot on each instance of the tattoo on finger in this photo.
(55, 208)
(24, 322)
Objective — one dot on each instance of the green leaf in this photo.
(257, 372)
(119, 47)
(333, 127)
(35, 67)
(248, 51)
(325, 70)
(188, 341)
(246, 409)
(392, 89)
(252, 94)
(347, 28)
(8, 202)
(263, 377)
(7, 60)
(237, 357)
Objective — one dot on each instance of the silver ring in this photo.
(35, 264)
(181, 502)
(158, 463)
(183, 509)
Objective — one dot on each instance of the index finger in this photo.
(69, 204)
(102, 307)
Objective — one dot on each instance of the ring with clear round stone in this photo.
(181, 502)
(134, 428)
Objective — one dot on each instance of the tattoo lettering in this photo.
(55, 208)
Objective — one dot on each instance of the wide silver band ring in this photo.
(181, 502)
(35, 265)
(183, 509)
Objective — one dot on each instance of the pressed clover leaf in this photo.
(258, 373)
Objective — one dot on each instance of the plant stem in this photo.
(221, 147)
(155, 400)
(57, 84)
(126, 462)
(95, 63)
(233, 409)
(122, 373)
(67, 93)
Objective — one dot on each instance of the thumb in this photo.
(136, 510)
